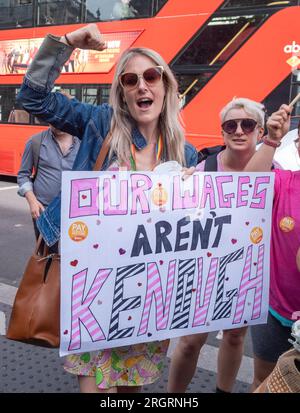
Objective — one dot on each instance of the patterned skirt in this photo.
(135, 365)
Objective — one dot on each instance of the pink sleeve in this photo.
(277, 182)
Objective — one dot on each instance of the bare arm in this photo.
(34, 205)
(278, 125)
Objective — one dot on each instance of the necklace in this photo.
(132, 158)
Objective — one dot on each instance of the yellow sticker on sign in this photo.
(256, 235)
(78, 231)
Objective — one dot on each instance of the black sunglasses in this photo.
(247, 125)
(151, 76)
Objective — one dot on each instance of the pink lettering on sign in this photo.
(154, 291)
(187, 200)
(140, 185)
(249, 283)
(243, 180)
(201, 311)
(87, 186)
(122, 207)
(260, 196)
(224, 199)
(208, 194)
(81, 312)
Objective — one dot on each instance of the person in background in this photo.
(287, 153)
(285, 378)
(55, 152)
(123, 10)
(242, 122)
(143, 126)
(270, 340)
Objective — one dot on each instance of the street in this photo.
(32, 369)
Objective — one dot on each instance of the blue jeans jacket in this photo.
(90, 123)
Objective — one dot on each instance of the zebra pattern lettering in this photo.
(186, 271)
(201, 311)
(222, 308)
(121, 304)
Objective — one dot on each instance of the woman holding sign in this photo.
(142, 122)
(271, 340)
(243, 122)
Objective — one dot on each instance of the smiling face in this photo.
(144, 101)
(239, 140)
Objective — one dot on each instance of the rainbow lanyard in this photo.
(159, 149)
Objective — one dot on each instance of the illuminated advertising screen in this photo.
(16, 55)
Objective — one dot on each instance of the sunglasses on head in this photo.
(151, 76)
(247, 125)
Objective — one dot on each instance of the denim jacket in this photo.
(90, 123)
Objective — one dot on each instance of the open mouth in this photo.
(144, 103)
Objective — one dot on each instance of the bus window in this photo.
(190, 84)
(31, 13)
(11, 113)
(254, 3)
(121, 9)
(214, 44)
(97, 11)
(7, 102)
(58, 12)
(16, 15)
(210, 49)
(18, 116)
(93, 94)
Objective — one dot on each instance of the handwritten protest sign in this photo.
(147, 257)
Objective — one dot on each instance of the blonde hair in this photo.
(251, 107)
(170, 124)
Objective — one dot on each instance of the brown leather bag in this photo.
(35, 314)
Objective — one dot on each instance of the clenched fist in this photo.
(87, 37)
(278, 123)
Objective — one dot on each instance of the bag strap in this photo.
(211, 163)
(103, 152)
(45, 250)
(36, 147)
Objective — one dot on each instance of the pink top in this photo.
(285, 278)
(200, 166)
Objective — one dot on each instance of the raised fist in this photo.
(87, 37)
(278, 123)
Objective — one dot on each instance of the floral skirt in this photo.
(134, 365)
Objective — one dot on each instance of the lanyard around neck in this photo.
(132, 158)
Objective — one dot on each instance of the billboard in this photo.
(16, 55)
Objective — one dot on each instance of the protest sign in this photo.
(147, 257)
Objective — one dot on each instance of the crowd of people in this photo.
(143, 115)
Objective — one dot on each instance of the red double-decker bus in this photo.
(217, 49)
